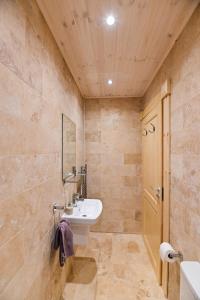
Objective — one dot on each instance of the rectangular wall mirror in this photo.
(68, 147)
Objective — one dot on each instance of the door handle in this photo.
(158, 192)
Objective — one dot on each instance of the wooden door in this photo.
(152, 183)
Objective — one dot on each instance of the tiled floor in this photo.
(113, 266)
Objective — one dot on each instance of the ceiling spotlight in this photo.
(110, 81)
(110, 20)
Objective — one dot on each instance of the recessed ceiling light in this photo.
(110, 20)
(110, 81)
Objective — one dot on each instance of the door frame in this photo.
(164, 96)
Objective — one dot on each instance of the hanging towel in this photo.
(64, 241)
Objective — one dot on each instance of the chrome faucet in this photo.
(80, 198)
(75, 198)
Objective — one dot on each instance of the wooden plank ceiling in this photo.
(129, 52)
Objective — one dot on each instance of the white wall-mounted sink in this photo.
(86, 212)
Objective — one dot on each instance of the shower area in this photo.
(113, 156)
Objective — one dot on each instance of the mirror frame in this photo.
(73, 170)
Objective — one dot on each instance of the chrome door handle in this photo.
(158, 192)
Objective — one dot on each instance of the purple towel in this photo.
(64, 241)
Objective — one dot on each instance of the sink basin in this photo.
(86, 212)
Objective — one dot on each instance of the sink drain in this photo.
(84, 215)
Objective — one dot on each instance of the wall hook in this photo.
(145, 132)
(153, 128)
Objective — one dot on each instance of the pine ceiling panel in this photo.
(130, 52)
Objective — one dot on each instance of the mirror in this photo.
(68, 147)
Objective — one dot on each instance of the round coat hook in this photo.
(153, 128)
(144, 132)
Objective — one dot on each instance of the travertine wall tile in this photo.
(182, 66)
(11, 259)
(113, 154)
(36, 88)
(131, 159)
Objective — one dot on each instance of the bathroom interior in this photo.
(99, 135)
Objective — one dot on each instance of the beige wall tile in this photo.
(36, 88)
(113, 157)
(11, 259)
(93, 136)
(131, 159)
